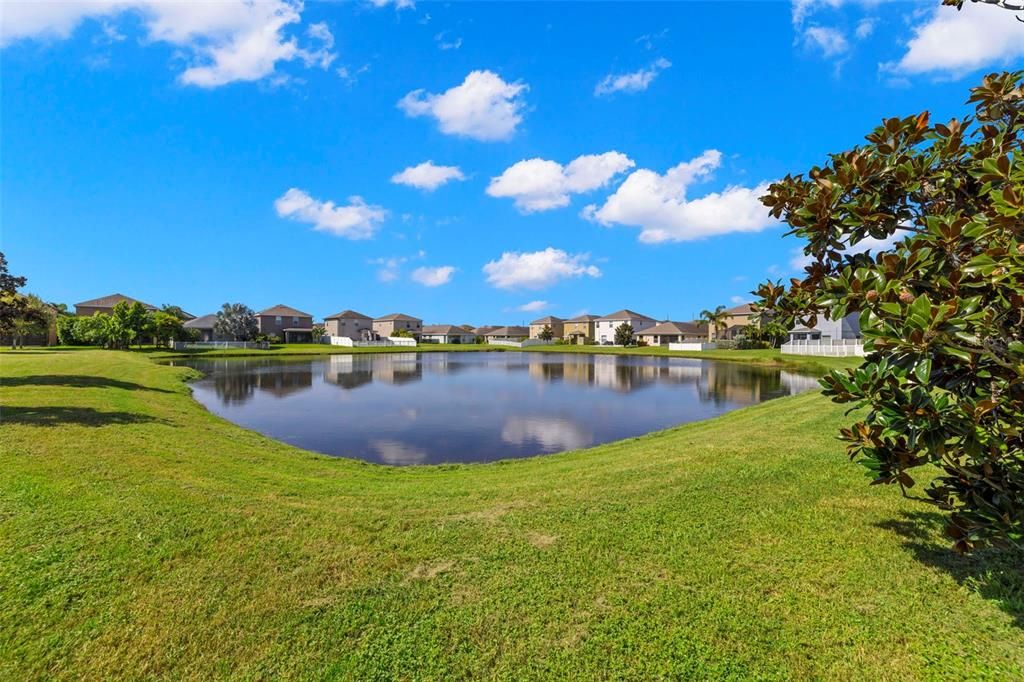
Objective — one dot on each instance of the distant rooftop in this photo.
(110, 301)
(283, 311)
(397, 316)
(625, 314)
(348, 315)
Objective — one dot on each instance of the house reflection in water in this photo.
(236, 381)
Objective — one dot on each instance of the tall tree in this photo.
(236, 321)
(941, 310)
(624, 334)
(12, 305)
(715, 318)
(546, 334)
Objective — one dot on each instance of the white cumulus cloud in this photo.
(357, 220)
(223, 42)
(427, 176)
(829, 41)
(955, 43)
(660, 207)
(433, 277)
(482, 107)
(533, 306)
(635, 81)
(541, 185)
(537, 269)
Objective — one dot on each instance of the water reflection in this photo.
(410, 408)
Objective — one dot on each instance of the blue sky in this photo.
(584, 157)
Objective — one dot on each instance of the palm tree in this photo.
(715, 318)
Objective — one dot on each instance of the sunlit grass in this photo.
(142, 536)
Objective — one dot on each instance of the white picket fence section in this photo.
(525, 343)
(389, 341)
(202, 345)
(692, 346)
(834, 348)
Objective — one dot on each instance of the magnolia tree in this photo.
(941, 307)
(236, 321)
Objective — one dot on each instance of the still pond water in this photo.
(428, 408)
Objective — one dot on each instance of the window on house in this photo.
(295, 320)
(277, 319)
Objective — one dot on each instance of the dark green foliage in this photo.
(624, 334)
(237, 322)
(942, 311)
(546, 334)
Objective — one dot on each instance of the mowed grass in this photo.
(140, 536)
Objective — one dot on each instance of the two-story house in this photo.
(556, 324)
(288, 324)
(351, 324)
(390, 325)
(580, 329)
(605, 326)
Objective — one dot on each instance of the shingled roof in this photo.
(348, 315)
(397, 317)
(550, 319)
(283, 311)
(110, 301)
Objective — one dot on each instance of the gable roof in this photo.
(674, 329)
(625, 314)
(110, 301)
(397, 316)
(348, 315)
(584, 318)
(202, 322)
(283, 311)
(445, 329)
(508, 331)
(744, 309)
(550, 319)
(483, 329)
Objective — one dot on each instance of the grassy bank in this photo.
(142, 536)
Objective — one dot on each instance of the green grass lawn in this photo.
(140, 536)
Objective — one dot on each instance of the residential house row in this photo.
(292, 325)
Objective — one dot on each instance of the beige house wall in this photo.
(390, 327)
(351, 327)
(557, 329)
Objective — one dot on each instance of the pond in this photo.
(429, 408)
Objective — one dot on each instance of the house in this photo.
(580, 330)
(105, 304)
(446, 333)
(672, 332)
(555, 323)
(848, 328)
(203, 326)
(390, 325)
(605, 326)
(736, 320)
(482, 330)
(288, 324)
(507, 334)
(351, 324)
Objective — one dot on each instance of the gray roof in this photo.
(348, 315)
(446, 329)
(550, 319)
(202, 322)
(744, 309)
(625, 314)
(508, 331)
(674, 329)
(483, 329)
(397, 316)
(110, 301)
(584, 318)
(283, 311)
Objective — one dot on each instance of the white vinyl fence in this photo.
(390, 341)
(203, 345)
(836, 348)
(692, 346)
(525, 343)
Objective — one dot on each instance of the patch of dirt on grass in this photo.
(431, 570)
(487, 515)
(540, 540)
